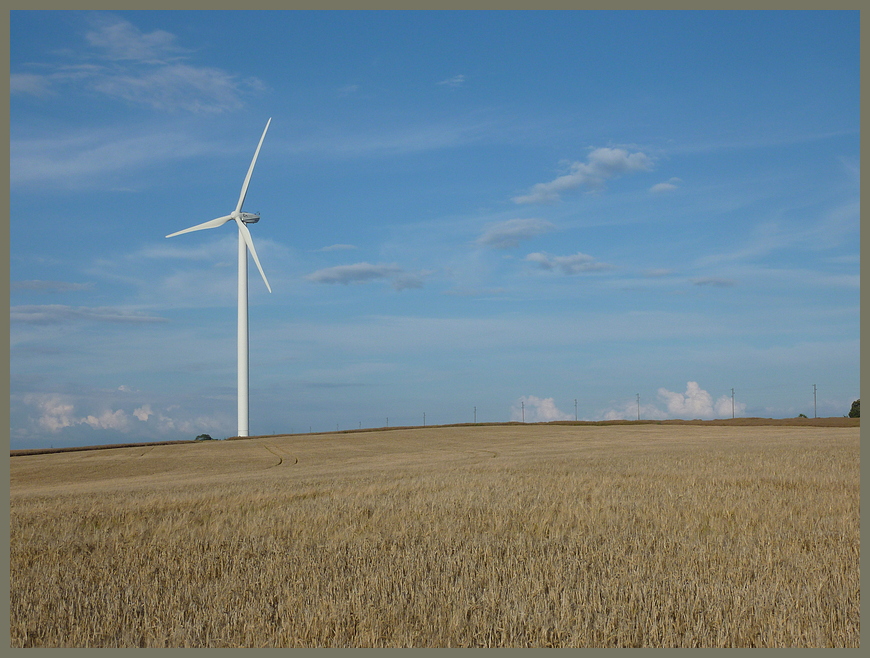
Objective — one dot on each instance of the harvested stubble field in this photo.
(656, 535)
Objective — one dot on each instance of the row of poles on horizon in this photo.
(576, 418)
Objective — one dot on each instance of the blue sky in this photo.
(460, 210)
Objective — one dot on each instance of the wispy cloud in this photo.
(475, 292)
(395, 140)
(601, 165)
(509, 233)
(337, 247)
(364, 272)
(455, 81)
(120, 40)
(48, 286)
(57, 313)
(140, 68)
(178, 87)
(567, 265)
(89, 157)
(835, 226)
(215, 247)
(714, 282)
(658, 272)
(30, 84)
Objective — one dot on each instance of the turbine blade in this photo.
(210, 224)
(251, 168)
(246, 234)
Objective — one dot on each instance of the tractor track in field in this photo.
(491, 454)
(280, 457)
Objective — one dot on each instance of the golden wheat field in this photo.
(633, 535)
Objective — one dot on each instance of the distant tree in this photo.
(204, 437)
(855, 411)
(802, 416)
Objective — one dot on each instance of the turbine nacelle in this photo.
(241, 218)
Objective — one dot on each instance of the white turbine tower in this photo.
(245, 243)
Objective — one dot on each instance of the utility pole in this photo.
(388, 421)
(732, 403)
(638, 406)
(523, 405)
(424, 419)
(475, 415)
(575, 410)
(814, 402)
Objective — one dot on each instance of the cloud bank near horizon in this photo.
(59, 414)
(694, 403)
(533, 409)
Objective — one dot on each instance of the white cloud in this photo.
(694, 403)
(507, 234)
(142, 413)
(697, 403)
(109, 420)
(55, 412)
(537, 410)
(601, 165)
(567, 264)
(669, 186)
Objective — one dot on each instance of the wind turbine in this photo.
(245, 244)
